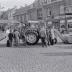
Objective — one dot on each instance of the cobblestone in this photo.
(57, 58)
(34, 60)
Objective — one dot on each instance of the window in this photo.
(48, 13)
(62, 9)
(21, 19)
(53, 0)
(17, 17)
(45, 1)
(69, 25)
(39, 13)
(66, 10)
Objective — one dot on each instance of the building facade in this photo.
(45, 9)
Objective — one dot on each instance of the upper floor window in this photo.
(17, 17)
(62, 9)
(48, 12)
(45, 1)
(39, 13)
(42, 2)
(53, 0)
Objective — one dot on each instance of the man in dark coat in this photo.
(10, 38)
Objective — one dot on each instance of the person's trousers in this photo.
(10, 42)
(43, 41)
(16, 41)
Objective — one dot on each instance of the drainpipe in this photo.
(65, 6)
(65, 20)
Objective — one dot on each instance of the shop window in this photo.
(69, 25)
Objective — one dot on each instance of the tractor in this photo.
(30, 32)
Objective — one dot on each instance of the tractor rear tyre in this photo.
(32, 38)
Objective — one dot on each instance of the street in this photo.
(24, 23)
(57, 58)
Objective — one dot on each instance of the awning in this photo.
(9, 21)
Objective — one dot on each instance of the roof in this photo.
(22, 10)
(25, 9)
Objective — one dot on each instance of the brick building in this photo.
(45, 9)
(40, 9)
(6, 18)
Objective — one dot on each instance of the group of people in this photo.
(47, 36)
(13, 38)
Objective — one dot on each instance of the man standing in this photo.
(43, 36)
(16, 37)
(53, 35)
(10, 39)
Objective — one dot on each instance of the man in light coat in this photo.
(16, 37)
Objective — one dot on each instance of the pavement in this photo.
(56, 58)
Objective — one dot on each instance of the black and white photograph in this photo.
(35, 35)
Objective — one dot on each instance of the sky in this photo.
(11, 3)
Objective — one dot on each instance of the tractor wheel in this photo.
(31, 38)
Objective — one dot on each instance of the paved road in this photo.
(57, 58)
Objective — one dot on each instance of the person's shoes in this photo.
(46, 46)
